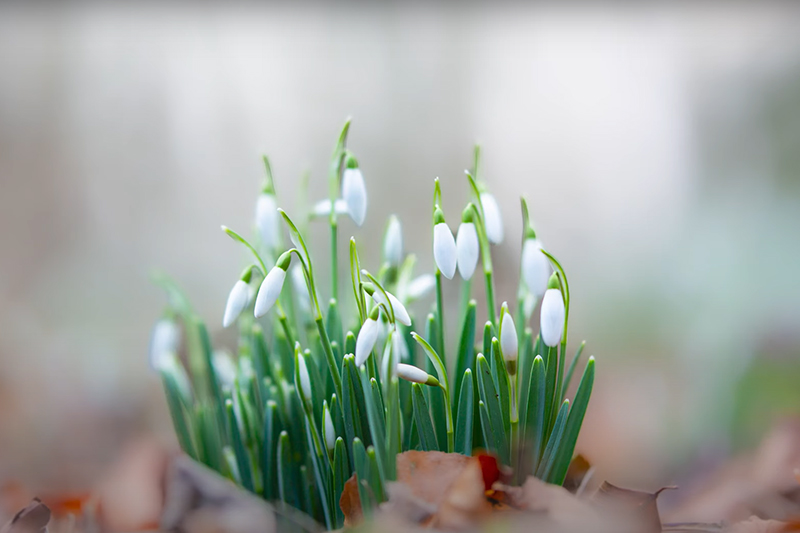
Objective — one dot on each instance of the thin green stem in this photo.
(440, 314)
(329, 356)
(334, 259)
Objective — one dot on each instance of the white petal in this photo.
(267, 219)
(330, 431)
(269, 291)
(444, 250)
(238, 299)
(165, 340)
(367, 337)
(552, 317)
(491, 214)
(467, 249)
(400, 312)
(508, 338)
(323, 208)
(225, 369)
(305, 380)
(411, 373)
(420, 286)
(393, 242)
(354, 193)
(535, 267)
(301, 289)
(340, 206)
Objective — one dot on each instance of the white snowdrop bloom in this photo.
(269, 291)
(535, 267)
(165, 340)
(267, 220)
(552, 317)
(467, 249)
(300, 289)
(354, 193)
(305, 380)
(323, 208)
(420, 286)
(225, 369)
(508, 338)
(400, 312)
(330, 431)
(393, 242)
(492, 218)
(365, 342)
(444, 250)
(238, 299)
(415, 374)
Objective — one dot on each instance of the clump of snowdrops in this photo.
(321, 389)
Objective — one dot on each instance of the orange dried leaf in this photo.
(350, 503)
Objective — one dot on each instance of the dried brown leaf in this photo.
(32, 519)
(429, 475)
(465, 502)
(350, 503)
(641, 507)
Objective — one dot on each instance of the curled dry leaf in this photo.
(350, 503)
(465, 502)
(640, 507)
(32, 519)
(429, 475)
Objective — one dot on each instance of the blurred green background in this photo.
(658, 146)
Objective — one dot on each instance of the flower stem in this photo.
(334, 258)
(440, 313)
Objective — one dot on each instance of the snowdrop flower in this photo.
(328, 429)
(492, 218)
(420, 286)
(508, 341)
(354, 191)
(415, 375)
(400, 312)
(535, 266)
(552, 314)
(393, 242)
(238, 299)
(165, 340)
(267, 219)
(225, 369)
(467, 245)
(367, 337)
(303, 378)
(301, 289)
(323, 208)
(444, 246)
(271, 286)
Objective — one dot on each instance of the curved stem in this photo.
(440, 313)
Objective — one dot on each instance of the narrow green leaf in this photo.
(465, 358)
(393, 428)
(573, 426)
(375, 417)
(524, 374)
(502, 384)
(466, 412)
(287, 487)
(553, 444)
(242, 459)
(341, 473)
(488, 333)
(178, 415)
(333, 323)
(551, 404)
(427, 437)
(491, 399)
(321, 470)
(534, 420)
(365, 492)
(350, 343)
(375, 481)
(269, 451)
(571, 371)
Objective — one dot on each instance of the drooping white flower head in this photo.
(323, 208)
(467, 249)
(238, 299)
(330, 431)
(271, 287)
(400, 312)
(367, 337)
(420, 286)
(492, 218)
(305, 380)
(165, 341)
(508, 337)
(444, 246)
(535, 267)
(552, 314)
(393, 242)
(354, 191)
(415, 375)
(267, 222)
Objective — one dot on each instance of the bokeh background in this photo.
(658, 146)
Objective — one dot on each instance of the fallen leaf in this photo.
(404, 506)
(465, 501)
(562, 509)
(32, 519)
(641, 507)
(579, 471)
(758, 525)
(350, 503)
(429, 475)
